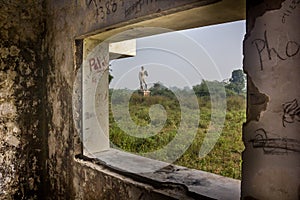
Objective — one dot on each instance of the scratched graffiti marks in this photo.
(263, 46)
(289, 11)
(291, 112)
(274, 146)
(137, 6)
(103, 8)
(96, 64)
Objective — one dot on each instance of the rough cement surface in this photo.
(37, 136)
(271, 160)
(66, 20)
(20, 98)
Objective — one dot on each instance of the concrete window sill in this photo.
(179, 181)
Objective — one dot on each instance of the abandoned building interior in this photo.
(49, 151)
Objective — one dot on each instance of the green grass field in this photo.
(223, 159)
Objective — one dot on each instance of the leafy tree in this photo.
(237, 81)
(208, 88)
(158, 89)
(202, 89)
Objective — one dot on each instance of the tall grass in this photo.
(225, 157)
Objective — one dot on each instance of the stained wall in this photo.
(271, 160)
(22, 140)
(67, 22)
(40, 50)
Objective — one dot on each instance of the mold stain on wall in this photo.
(21, 156)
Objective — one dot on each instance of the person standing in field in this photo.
(142, 74)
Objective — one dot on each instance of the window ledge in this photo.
(193, 183)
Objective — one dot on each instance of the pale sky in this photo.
(183, 58)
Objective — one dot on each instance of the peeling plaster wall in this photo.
(38, 139)
(271, 160)
(21, 66)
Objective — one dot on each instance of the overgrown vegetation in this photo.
(225, 157)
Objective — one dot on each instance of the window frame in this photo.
(172, 176)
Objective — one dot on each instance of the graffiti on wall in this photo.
(263, 47)
(289, 10)
(291, 112)
(137, 6)
(97, 64)
(274, 145)
(103, 8)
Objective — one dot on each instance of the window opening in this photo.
(146, 91)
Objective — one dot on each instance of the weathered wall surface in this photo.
(66, 20)
(38, 141)
(271, 161)
(21, 66)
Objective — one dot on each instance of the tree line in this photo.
(236, 85)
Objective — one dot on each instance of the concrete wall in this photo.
(271, 160)
(38, 139)
(67, 20)
(22, 143)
